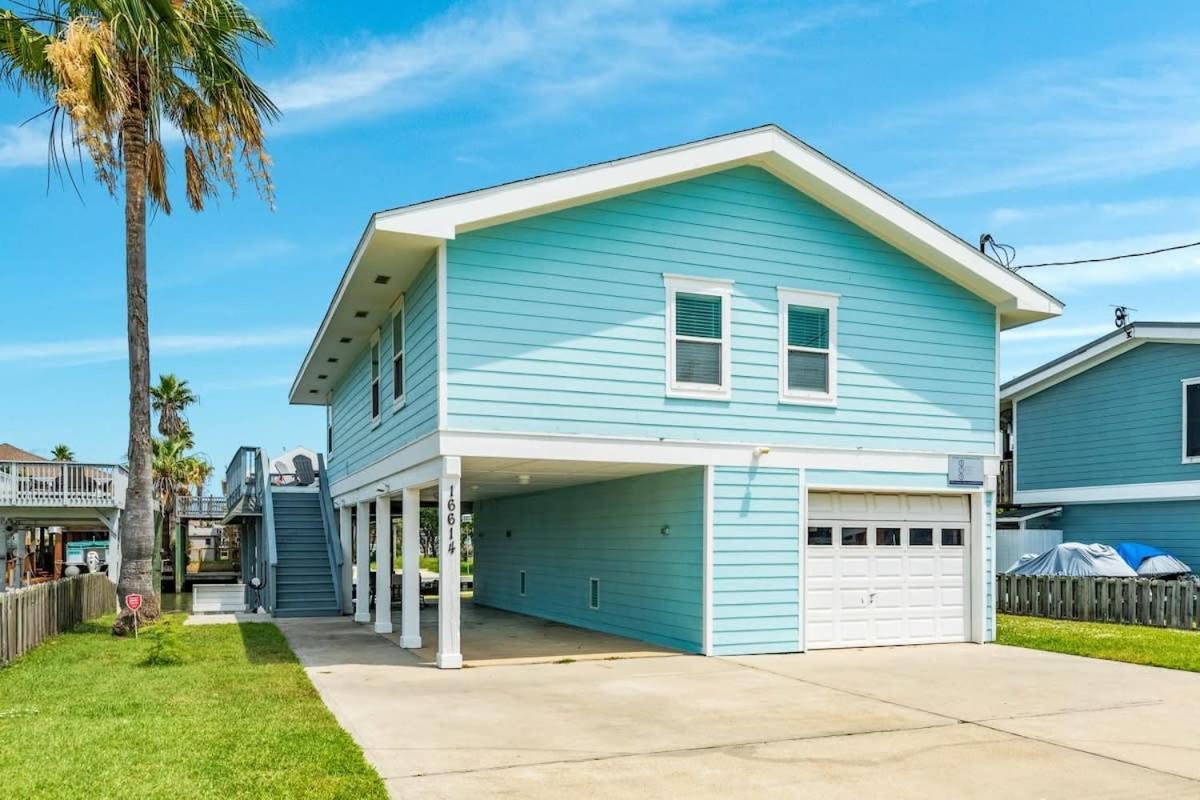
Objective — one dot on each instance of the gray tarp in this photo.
(1072, 558)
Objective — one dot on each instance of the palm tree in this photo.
(201, 471)
(61, 453)
(122, 75)
(170, 398)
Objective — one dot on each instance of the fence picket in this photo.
(1136, 601)
(31, 615)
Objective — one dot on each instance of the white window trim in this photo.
(1184, 384)
(717, 288)
(376, 381)
(804, 297)
(398, 311)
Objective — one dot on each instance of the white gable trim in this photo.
(400, 240)
(1092, 355)
(769, 147)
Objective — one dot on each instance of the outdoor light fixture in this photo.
(762, 451)
(523, 480)
(665, 530)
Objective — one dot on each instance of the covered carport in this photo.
(615, 549)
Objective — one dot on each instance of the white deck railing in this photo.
(57, 483)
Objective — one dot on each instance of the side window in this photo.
(398, 356)
(375, 379)
(807, 347)
(698, 338)
(1191, 421)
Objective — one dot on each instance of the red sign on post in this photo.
(133, 601)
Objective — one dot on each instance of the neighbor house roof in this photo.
(10, 452)
(1107, 347)
(397, 243)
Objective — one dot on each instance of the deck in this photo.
(56, 484)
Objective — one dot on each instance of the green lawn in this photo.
(430, 564)
(1157, 647)
(222, 711)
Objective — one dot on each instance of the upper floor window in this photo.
(398, 354)
(698, 337)
(1191, 421)
(375, 379)
(807, 347)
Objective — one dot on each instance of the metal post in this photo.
(19, 572)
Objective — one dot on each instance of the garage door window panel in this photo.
(920, 537)
(820, 536)
(854, 536)
(887, 537)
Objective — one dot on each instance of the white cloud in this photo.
(90, 351)
(545, 50)
(1117, 114)
(1066, 279)
(23, 146)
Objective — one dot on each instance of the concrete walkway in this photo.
(959, 721)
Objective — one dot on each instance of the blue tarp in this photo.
(1148, 560)
(1135, 553)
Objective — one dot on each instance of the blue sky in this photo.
(1068, 130)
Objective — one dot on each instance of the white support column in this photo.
(449, 652)
(362, 565)
(977, 570)
(19, 572)
(345, 521)
(410, 590)
(383, 564)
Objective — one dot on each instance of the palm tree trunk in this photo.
(137, 523)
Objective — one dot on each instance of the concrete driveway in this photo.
(956, 721)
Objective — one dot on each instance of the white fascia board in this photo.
(769, 147)
(1118, 493)
(394, 471)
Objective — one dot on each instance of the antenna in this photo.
(1121, 319)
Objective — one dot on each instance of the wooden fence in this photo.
(1138, 601)
(31, 615)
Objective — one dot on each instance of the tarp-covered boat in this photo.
(1150, 561)
(1073, 558)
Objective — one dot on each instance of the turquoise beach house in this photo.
(726, 397)
(1109, 435)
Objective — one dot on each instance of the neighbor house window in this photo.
(375, 379)
(1191, 421)
(698, 337)
(398, 355)
(807, 347)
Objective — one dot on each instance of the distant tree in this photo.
(62, 453)
(171, 399)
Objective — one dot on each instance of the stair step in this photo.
(308, 611)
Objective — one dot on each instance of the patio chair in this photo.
(304, 471)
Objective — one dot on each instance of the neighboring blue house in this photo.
(727, 397)
(1111, 433)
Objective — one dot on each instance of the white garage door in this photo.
(886, 569)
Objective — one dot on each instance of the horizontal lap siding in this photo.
(556, 323)
(1120, 422)
(1173, 526)
(355, 443)
(651, 585)
(755, 560)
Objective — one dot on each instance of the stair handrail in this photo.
(268, 520)
(331, 524)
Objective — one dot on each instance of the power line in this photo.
(1110, 258)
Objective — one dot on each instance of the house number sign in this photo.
(965, 471)
(451, 519)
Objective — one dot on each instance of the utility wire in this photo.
(1110, 258)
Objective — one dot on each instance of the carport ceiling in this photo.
(495, 477)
